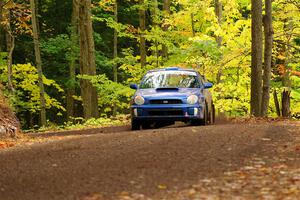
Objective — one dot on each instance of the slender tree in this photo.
(10, 45)
(2, 47)
(154, 16)
(73, 58)
(268, 32)
(276, 102)
(38, 64)
(87, 60)
(256, 54)
(219, 14)
(142, 19)
(115, 42)
(167, 11)
(193, 25)
(115, 67)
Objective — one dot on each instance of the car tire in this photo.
(212, 115)
(135, 125)
(204, 121)
(201, 122)
(146, 125)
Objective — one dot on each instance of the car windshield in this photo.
(170, 79)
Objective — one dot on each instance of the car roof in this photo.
(172, 69)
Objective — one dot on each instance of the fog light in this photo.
(135, 112)
(195, 111)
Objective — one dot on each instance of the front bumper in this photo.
(182, 112)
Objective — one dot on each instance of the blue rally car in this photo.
(171, 94)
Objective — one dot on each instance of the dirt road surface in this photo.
(227, 161)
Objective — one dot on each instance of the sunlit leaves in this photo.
(110, 93)
(25, 81)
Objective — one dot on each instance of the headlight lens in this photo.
(139, 100)
(193, 99)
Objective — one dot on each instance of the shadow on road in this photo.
(112, 129)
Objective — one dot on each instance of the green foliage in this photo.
(233, 97)
(2, 58)
(110, 94)
(25, 82)
(295, 95)
(226, 65)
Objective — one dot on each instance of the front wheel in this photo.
(212, 115)
(201, 122)
(135, 125)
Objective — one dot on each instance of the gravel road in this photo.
(169, 163)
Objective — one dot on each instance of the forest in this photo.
(70, 62)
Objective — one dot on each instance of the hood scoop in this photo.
(167, 89)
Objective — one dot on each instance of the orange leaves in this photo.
(16, 18)
(282, 70)
(4, 145)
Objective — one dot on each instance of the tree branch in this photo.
(5, 3)
(290, 45)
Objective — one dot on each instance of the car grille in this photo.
(166, 101)
(174, 112)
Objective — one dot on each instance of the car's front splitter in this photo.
(167, 112)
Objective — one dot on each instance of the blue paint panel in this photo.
(170, 103)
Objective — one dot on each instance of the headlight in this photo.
(139, 100)
(193, 99)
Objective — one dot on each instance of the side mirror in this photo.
(208, 85)
(134, 86)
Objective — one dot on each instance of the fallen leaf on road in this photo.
(194, 130)
(96, 196)
(265, 139)
(162, 187)
(4, 145)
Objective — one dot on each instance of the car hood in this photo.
(157, 93)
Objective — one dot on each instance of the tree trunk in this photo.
(276, 103)
(256, 61)
(115, 70)
(38, 59)
(10, 45)
(37, 3)
(142, 19)
(167, 11)
(285, 103)
(74, 56)
(154, 17)
(2, 35)
(268, 30)
(115, 67)
(10, 48)
(193, 25)
(219, 14)
(87, 60)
